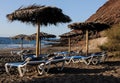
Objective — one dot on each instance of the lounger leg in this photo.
(103, 58)
(62, 66)
(20, 71)
(6, 68)
(41, 68)
(68, 62)
(21, 57)
(48, 66)
(87, 63)
(89, 60)
(95, 60)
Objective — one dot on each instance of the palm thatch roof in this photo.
(88, 26)
(20, 36)
(43, 14)
(51, 36)
(109, 13)
(72, 33)
(42, 35)
(39, 15)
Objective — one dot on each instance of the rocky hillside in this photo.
(109, 13)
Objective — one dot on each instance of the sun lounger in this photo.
(94, 58)
(51, 59)
(16, 52)
(73, 57)
(21, 66)
(21, 53)
(40, 62)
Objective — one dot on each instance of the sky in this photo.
(77, 10)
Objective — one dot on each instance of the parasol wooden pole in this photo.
(37, 40)
(69, 40)
(21, 44)
(87, 42)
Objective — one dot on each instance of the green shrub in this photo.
(113, 43)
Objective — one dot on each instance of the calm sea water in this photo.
(6, 42)
(3, 46)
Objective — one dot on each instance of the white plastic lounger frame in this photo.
(21, 66)
(94, 58)
(99, 57)
(76, 59)
(42, 64)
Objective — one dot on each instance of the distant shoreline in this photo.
(13, 46)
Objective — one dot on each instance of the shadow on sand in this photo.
(68, 75)
(111, 63)
(71, 78)
(68, 70)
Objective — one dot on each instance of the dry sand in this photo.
(107, 72)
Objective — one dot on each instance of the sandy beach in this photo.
(107, 72)
(85, 27)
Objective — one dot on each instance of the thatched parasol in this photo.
(39, 15)
(86, 26)
(42, 35)
(21, 37)
(51, 36)
(108, 13)
(69, 35)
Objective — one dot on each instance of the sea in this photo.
(6, 42)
